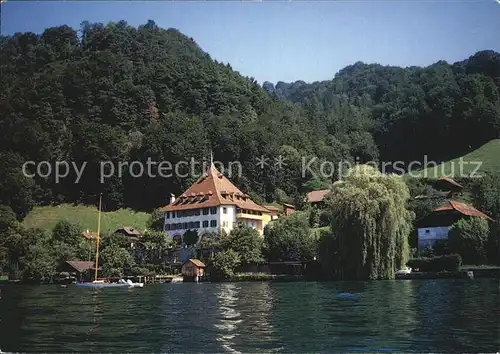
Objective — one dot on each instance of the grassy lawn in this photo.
(46, 217)
(487, 155)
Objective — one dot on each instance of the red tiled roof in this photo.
(197, 262)
(273, 211)
(462, 208)
(316, 196)
(451, 181)
(210, 190)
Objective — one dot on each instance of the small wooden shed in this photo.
(193, 268)
(81, 269)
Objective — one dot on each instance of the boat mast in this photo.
(97, 240)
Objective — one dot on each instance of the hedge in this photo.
(449, 262)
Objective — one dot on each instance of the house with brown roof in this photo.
(89, 235)
(212, 204)
(317, 197)
(131, 233)
(436, 226)
(128, 231)
(273, 210)
(79, 268)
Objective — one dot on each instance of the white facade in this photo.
(227, 217)
(428, 235)
(176, 223)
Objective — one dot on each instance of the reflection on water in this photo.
(229, 317)
(398, 316)
(244, 317)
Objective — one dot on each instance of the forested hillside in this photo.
(118, 93)
(443, 110)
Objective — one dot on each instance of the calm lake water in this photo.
(398, 316)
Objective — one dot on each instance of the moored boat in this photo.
(101, 283)
(404, 271)
(134, 285)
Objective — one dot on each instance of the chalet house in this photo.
(316, 198)
(275, 211)
(437, 225)
(212, 204)
(132, 234)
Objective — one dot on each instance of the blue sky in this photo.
(290, 41)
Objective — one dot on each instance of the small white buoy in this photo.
(470, 274)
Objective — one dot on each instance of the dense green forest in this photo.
(118, 93)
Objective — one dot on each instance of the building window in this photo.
(213, 223)
(179, 226)
(197, 224)
(168, 215)
(213, 211)
(185, 225)
(190, 225)
(197, 212)
(173, 214)
(167, 227)
(224, 210)
(205, 223)
(205, 211)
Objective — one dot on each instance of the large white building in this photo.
(212, 204)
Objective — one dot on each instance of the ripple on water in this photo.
(413, 316)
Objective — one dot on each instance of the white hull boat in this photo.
(405, 270)
(134, 285)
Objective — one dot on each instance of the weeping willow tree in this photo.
(370, 223)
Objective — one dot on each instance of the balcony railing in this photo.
(248, 216)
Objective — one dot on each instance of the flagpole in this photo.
(97, 241)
